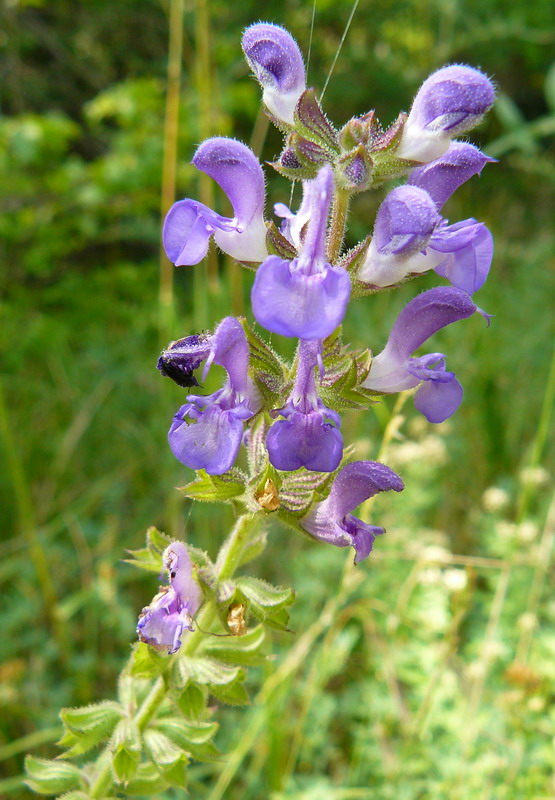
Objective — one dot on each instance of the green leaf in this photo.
(147, 781)
(203, 671)
(200, 558)
(213, 488)
(265, 366)
(126, 748)
(263, 593)
(176, 775)
(124, 764)
(147, 662)
(184, 733)
(233, 694)
(100, 717)
(244, 650)
(150, 557)
(192, 701)
(75, 796)
(161, 749)
(78, 743)
(277, 244)
(51, 777)
(273, 617)
(268, 603)
(311, 122)
(126, 735)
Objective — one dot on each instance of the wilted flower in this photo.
(394, 369)
(452, 100)
(171, 612)
(275, 58)
(331, 521)
(308, 436)
(213, 441)
(190, 224)
(306, 297)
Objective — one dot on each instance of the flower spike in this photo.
(275, 58)
(306, 297)
(190, 224)
(331, 521)
(394, 369)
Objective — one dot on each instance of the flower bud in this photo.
(449, 102)
(275, 58)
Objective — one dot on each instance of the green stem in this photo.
(338, 222)
(233, 547)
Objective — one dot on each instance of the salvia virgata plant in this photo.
(269, 441)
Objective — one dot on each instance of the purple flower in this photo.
(308, 436)
(190, 224)
(410, 237)
(330, 520)
(404, 225)
(213, 441)
(394, 369)
(275, 58)
(306, 297)
(449, 102)
(171, 612)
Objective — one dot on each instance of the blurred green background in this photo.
(433, 675)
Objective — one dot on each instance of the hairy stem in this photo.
(338, 222)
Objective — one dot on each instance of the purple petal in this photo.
(212, 443)
(443, 176)
(405, 221)
(438, 400)
(275, 58)
(453, 99)
(304, 440)
(180, 569)
(421, 318)
(357, 482)
(450, 101)
(426, 314)
(237, 170)
(162, 623)
(290, 303)
(404, 224)
(363, 536)
(187, 230)
(450, 238)
(330, 520)
(230, 350)
(468, 267)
